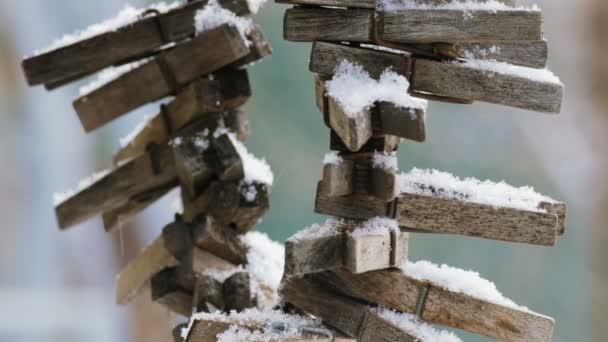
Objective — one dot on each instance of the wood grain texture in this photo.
(327, 24)
(383, 184)
(452, 216)
(385, 143)
(208, 294)
(132, 41)
(137, 273)
(527, 54)
(207, 52)
(218, 240)
(351, 317)
(314, 254)
(395, 290)
(338, 179)
(167, 292)
(407, 123)
(363, 3)
(463, 81)
(428, 26)
(135, 178)
(118, 217)
(366, 251)
(325, 57)
(206, 100)
(238, 293)
(357, 206)
(354, 129)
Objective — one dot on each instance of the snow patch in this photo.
(256, 170)
(493, 67)
(375, 226)
(354, 89)
(415, 327)
(265, 261)
(458, 280)
(213, 15)
(386, 161)
(332, 158)
(445, 185)
(317, 230)
(467, 7)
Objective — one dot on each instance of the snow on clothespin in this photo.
(454, 81)
(436, 202)
(133, 33)
(451, 297)
(358, 246)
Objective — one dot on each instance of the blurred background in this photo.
(60, 286)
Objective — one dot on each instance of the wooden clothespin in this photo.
(446, 81)
(356, 246)
(207, 100)
(136, 40)
(436, 304)
(434, 214)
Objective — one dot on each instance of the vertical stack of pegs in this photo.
(193, 56)
(375, 65)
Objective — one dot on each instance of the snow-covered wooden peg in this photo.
(471, 80)
(164, 74)
(367, 3)
(354, 129)
(358, 246)
(436, 202)
(208, 294)
(107, 191)
(383, 182)
(479, 308)
(354, 318)
(211, 101)
(165, 290)
(413, 25)
(237, 292)
(256, 326)
(141, 36)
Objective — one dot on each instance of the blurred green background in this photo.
(59, 286)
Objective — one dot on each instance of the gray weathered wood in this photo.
(207, 52)
(408, 123)
(338, 179)
(177, 237)
(204, 99)
(134, 178)
(115, 47)
(218, 240)
(363, 3)
(383, 184)
(237, 292)
(312, 24)
(452, 216)
(226, 161)
(208, 294)
(367, 251)
(167, 292)
(137, 273)
(354, 129)
(434, 214)
(191, 165)
(558, 209)
(117, 217)
(386, 143)
(353, 318)
(325, 57)
(428, 26)
(467, 82)
(527, 54)
(314, 254)
(395, 290)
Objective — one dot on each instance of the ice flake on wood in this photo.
(415, 327)
(458, 280)
(386, 161)
(332, 158)
(317, 230)
(60, 197)
(128, 15)
(213, 15)
(493, 67)
(468, 7)
(110, 74)
(355, 90)
(445, 185)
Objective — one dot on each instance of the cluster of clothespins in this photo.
(374, 61)
(195, 55)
